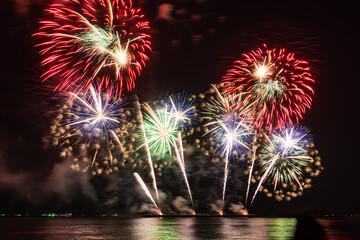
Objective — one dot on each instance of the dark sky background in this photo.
(191, 49)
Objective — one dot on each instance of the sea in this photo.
(173, 228)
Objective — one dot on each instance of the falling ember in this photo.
(160, 213)
(193, 212)
(221, 213)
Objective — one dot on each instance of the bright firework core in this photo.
(289, 143)
(179, 116)
(122, 57)
(262, 71)
(230, 137)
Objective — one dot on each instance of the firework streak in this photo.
(146, 190)
(147, 150)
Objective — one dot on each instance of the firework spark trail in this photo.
(113, 134)
(181, 148)
(223, 101)
(182, 167)
(146, 190)
(273, 161)
(147, 150)
(226, 173)
(251, 169)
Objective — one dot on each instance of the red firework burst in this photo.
(88, 39)
(274, 84)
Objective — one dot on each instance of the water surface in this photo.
(163, 228)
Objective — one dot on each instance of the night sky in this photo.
(191, 49)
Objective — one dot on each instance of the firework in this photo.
(87, 39)
(89, 128)
(93, 114)
(228, 130)
(160, 129)
(231, 134)
(293, 144)
(287, 161)
(182, 108)
(216, 105)
(276, 84)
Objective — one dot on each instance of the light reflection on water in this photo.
(155, 228)
(213, 228)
